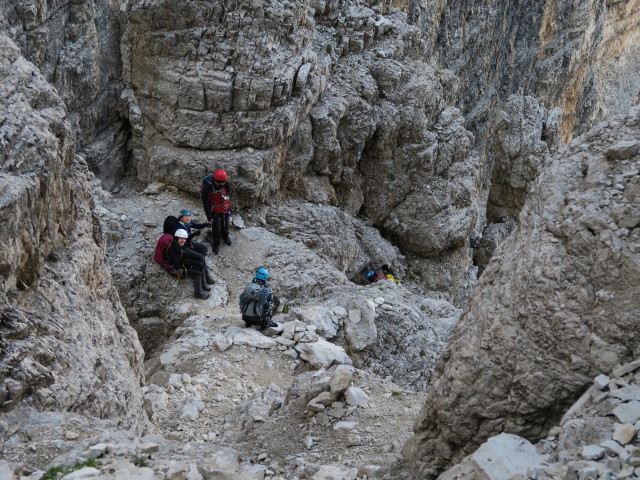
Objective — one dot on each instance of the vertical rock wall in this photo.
(65, 342)
(579, 56)
(75, 44)
(557, 306)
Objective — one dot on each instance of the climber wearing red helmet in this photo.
(215, 194)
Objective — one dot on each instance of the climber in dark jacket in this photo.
(184, 222)
(183, 266)
(215, 195)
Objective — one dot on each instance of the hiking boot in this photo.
(201, 295)
(210, 281)
(216, 249)
(228, 241)
(270, 324)
(206, 288)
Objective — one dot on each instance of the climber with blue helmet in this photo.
(257, 302)
(184, 222)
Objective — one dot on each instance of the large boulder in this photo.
(556, 306)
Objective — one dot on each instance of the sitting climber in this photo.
(383, 273)
(258, 304)
(182, 266)
(215, 194)
(184, 220)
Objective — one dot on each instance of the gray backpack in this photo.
(249, 300)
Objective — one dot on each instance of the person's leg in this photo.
(200, 267)
(196, 277)
(198, 257)
(225, 229)
(200, 248)
(216, 228)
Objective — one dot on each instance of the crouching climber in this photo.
(181, 266)
(258, 304)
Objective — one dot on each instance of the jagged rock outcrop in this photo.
(582, 57)
(75, 46)
(349, 244)
(563, 306)
(525, 137)
(596, 438)
(65, 340)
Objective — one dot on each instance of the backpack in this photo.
(160, 255)
(170, 225)
(251, 294)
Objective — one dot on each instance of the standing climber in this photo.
(258, 304)
(215, 194)
(181, 266)
(185, 223)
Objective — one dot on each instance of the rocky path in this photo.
(215, 381)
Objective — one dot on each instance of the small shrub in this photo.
(139, 461)
(285, 309)
(55, 472)
(329, 48)
(396, 394)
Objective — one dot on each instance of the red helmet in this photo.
(220, 175)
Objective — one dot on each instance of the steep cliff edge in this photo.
(65, 341)
(563, 306)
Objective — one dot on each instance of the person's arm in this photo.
(174, 254)
(199, 226)
(206, 205)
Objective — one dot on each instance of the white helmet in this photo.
(181, 233)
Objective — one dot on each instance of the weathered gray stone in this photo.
(628, 412)
(356, 397)
(505, 456)
(568, 222)
(322, 354)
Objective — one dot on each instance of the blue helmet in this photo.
(262, 274)
(185, 213)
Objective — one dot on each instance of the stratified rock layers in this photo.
(557, 306)
(65, 341)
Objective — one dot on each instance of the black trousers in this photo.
(219, 228)
(194, 273)
(201, 248)
(195, 256)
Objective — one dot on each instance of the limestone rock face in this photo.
(349, 244)
(317, 101)
(75, 46)
(66, 342)
(589, 441)
(525, 135)
(563, 307)
(582, 57)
